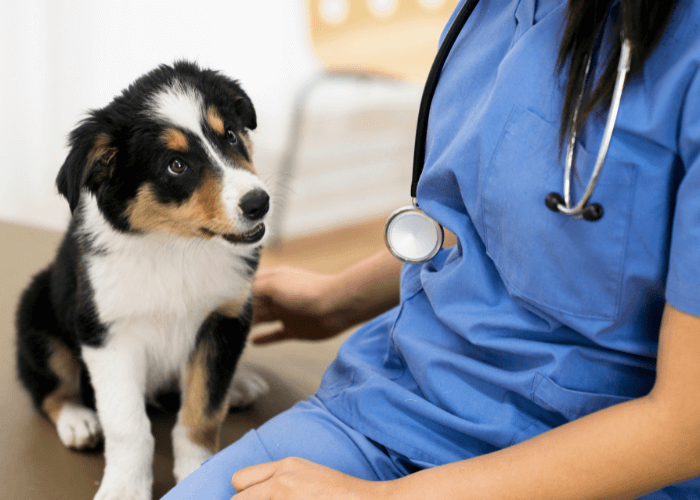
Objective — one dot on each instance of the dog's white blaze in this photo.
(179, 105)
(183, 106)
(235, 185)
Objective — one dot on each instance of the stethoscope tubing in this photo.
(429, 91)
(622, 70)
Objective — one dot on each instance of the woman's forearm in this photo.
(367, 288)
(371, 286)
(621, 452)
(302, 304)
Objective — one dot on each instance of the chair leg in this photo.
(288, 165)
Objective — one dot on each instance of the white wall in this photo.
(59, 58)
(355, 154)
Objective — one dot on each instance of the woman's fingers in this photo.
(255, 474)
(272, 333)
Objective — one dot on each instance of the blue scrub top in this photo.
(534, 318)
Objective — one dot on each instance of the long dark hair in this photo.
(644, 22)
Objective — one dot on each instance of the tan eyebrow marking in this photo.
(175, 140)
(248, 165)
(215, 121)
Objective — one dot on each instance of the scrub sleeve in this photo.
(683, 284)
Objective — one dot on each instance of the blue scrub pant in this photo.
(307, 430)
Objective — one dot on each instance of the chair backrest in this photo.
(394, 37)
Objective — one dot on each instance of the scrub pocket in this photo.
(548, 259)
(568, 403)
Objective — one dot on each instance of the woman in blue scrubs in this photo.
(542, 356)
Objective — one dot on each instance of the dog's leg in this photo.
(205, 387)
(77, 426)
(196, 433)
(118, 374)
(49, 370)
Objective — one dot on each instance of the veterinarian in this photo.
(544, 356)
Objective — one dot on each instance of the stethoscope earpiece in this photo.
(564, 204)
(553, 200)
(591, 213)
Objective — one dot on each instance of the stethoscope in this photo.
(414, 237)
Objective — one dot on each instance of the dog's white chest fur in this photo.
(154, 291)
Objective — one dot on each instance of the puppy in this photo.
(151, 287)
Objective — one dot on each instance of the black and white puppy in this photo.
(151, 287)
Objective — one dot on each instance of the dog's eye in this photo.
(177, 167)
(231, 136)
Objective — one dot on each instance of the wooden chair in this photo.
(395, 38)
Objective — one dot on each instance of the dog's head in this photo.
(171, 154)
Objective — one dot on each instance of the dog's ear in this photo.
(89, 163)
(245, 109)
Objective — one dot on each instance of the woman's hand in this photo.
(316, 306)
(306, 302)
(296, 478)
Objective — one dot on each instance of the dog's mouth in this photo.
(252, 236)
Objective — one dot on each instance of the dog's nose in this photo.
(255, 204)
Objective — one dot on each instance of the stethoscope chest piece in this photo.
(411, 236)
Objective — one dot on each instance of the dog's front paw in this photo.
(78, 427)
(186, 465)
(188, 455)
(246, 387)
(123, 489)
